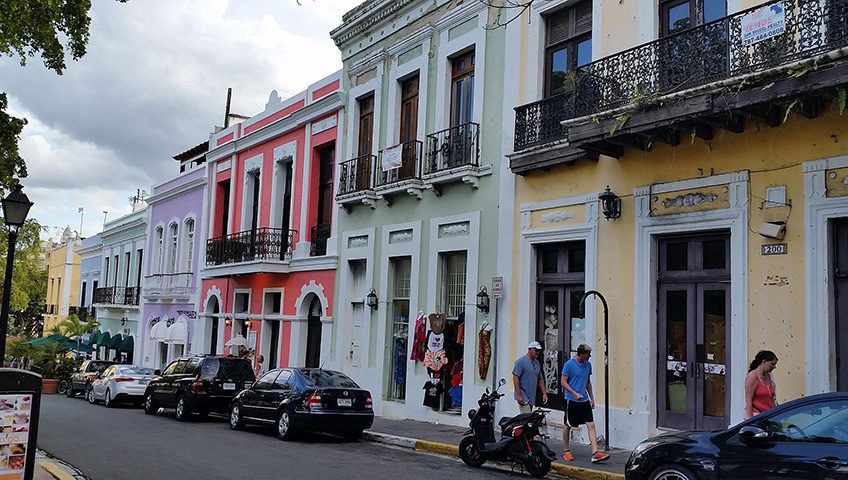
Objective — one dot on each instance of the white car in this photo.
(120, 383)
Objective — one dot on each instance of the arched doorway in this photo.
(212, 310)
(313, 334)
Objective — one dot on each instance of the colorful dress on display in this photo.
(485, 351)
(419, 338)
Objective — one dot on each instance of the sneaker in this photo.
(600, 457)
(568, 456)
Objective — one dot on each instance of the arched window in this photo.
(172, 248)
(188, 243)
(159, 251)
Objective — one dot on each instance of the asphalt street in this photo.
(125, 444)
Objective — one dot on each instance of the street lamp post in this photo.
(16, 206)
(606, 361)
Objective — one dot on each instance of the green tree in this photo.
(29, 282)
(74, 328)
(27, 28)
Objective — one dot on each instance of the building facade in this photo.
(419, 192)
(726, 225)
(91, 259)
(270, 257)
(116, 299)
(63, 271)
(175, 240)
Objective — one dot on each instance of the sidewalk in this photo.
(445, 439)
(47, 468)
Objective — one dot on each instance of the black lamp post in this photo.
(16, 205)
(606, 360)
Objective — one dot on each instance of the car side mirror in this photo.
(750, 433)
(157, 372)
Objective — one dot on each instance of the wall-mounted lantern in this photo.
(371, 299)
(228, 322)
(610, 204)
(248, 323)
(483, 300)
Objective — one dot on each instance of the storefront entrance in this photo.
(693, 295)
(840, 281)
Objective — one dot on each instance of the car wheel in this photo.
(285, 429)
(181, 411)
(71, 393)
(150, 405)
(236, 420)
(673, 472)
(107, 400)
(89, 395)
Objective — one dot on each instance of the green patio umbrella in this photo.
(48, 340)
(127, 344)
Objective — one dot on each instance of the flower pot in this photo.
(49, 385)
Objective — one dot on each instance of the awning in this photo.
(105, 338)
(177, 333)
(94, 338)
(115, 341)
(159, 332)
(127, 344)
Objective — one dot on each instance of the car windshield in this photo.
(327, 378)
(821, 423)
(135, 371)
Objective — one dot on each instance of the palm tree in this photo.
(74, 328)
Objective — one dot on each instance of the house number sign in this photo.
(774, 249)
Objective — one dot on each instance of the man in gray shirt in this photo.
(526, 376)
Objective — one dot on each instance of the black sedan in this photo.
(304, 399)
(803, 439)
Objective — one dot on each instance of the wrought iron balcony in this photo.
(410, 164)
(174, 284)
(451, 148)
(260, 244)
(356, 175)
(319, 236)
(117, 295)
(721, 50)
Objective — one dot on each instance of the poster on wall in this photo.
(15, 416)
(392, 158)
(763, 23)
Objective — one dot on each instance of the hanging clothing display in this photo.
(432, 394)
(484, 349)
(435, 342)
(419, 337)
(435, 361)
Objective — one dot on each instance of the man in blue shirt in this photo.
(579, 401)
(526, 376)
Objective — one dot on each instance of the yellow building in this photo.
(720, 128)
(63, 278)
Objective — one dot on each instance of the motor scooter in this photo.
(522, 439)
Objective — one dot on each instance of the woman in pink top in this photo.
(760, 390)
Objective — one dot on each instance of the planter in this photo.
(49, 385)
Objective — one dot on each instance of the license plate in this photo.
(143, 382)
(229, 386)
(345, 402)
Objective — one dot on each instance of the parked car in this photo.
(81, 379)
(802, 439)
(197, 384)
(120, 383)
(304, 399)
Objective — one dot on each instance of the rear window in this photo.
(327, 378)
(135, 371)
(98, 367)
(227, 368)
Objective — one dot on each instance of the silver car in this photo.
(120, 383)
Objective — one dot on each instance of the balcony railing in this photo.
(320, 234)
(455, 147)
(696, 57)
(410, 164)
(259, 244)
(117, 295)
(356, 174)
(169, 284)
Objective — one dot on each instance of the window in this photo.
(189, 243)
(366, 124)
(283, 380)
(568, 45)
(678, 15)
(105, 273)
(409, 109)
(462, 89)
(454, 284)
(172, 248)
(824, 422)
(159, 244)
(171, 369)
(265, 381)
(82, 295)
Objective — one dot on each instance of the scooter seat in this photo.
(508, 420)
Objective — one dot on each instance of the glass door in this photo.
(840, 276)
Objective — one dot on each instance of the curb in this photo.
(579, 473)
(54, 469)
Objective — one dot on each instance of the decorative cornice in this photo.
(364, 17)
(411, 41)
(459, 15)
(188, 186)
(366, 63)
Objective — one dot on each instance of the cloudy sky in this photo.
(153, 84)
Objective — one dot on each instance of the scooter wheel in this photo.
(470, 453)
(538, 465)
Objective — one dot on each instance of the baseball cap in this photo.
(534, 344)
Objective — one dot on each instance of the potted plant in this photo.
(47, 358)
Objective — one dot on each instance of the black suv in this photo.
(81, 379)
(197, 384)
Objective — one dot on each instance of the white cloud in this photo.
(154, 84)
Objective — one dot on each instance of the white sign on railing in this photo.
(763, 23)
(392, 158)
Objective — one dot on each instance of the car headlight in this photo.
(642, 447)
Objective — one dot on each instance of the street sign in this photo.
(497, 287)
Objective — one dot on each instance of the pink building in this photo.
(270, 258)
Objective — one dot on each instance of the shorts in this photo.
(578, 413)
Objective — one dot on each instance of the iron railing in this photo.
(410, 164)
(319, 236)
(356, 174)
(117, 295)
(181, 283)
(258, 244)
(696, 57)
(454, 147)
